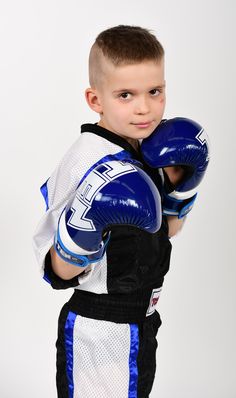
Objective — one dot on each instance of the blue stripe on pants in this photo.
(69, 329)
(133, 367)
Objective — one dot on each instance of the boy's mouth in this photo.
(142, 124)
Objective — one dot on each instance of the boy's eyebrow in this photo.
(133, 90)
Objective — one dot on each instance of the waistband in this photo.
(119, 308)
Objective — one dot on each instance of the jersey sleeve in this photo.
(57, 191)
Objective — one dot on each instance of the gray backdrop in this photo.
(43, 75)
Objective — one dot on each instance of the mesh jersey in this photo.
(135, 260)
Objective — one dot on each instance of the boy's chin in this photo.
(140, 135)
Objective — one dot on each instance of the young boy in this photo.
(106, 343)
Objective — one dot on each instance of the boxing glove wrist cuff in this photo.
(177, 207)
(70, 252)
(79, 260)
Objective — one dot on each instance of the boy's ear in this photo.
(93, 99)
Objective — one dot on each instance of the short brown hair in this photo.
(123, 44)
(128, 44)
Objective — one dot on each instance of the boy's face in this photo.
(131, 99)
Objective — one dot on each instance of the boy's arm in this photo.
(63, 269)
(82, 232)
(175, 224)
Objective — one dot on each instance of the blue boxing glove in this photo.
(178, 142)
(114, 193)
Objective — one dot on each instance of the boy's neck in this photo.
(134, 143)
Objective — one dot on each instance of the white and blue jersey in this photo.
(106, 339)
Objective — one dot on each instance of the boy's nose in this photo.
(141, 106)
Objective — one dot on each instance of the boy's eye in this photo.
(155, 92)
(125, 95)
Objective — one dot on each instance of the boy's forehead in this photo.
(128, 75)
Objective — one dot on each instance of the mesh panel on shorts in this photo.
(100, 359)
